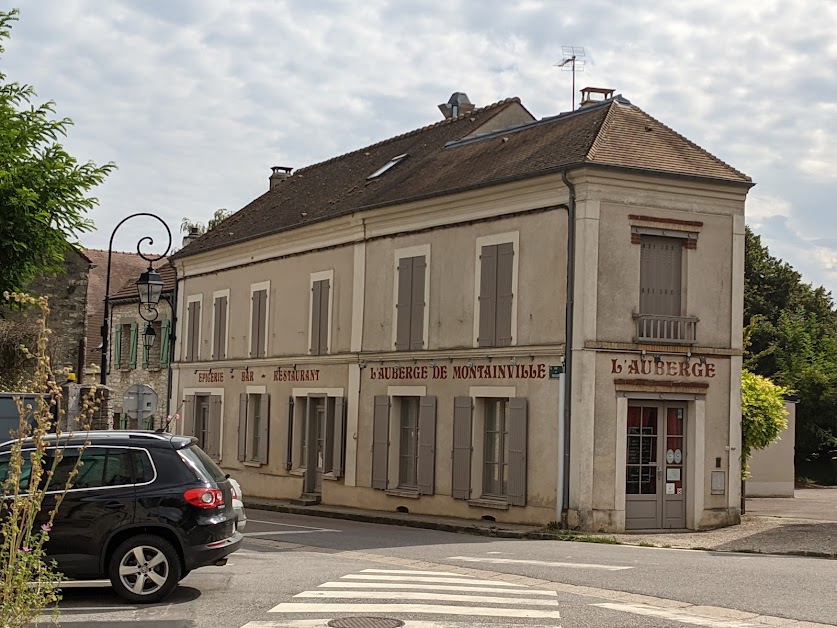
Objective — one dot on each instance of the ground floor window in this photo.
(202, 418)
(316, 438)
(495, 474)
(253, 427)
(408, 443)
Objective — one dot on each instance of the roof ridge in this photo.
(692, 144)
(106, 251)
(496, 105)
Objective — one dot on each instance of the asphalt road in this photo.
(302, 572)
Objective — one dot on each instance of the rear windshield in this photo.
(202, 464)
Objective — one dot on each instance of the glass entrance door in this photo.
(655, 467)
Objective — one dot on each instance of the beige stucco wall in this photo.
(771, 469)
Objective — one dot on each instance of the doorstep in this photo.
(428, 522)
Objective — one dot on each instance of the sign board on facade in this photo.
(719, 483)
(662, 368)
(555, 372)
(463, 371)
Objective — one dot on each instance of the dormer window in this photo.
(387, 166)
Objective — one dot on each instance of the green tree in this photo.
(44, 191)
(218, 217)
(763, 414)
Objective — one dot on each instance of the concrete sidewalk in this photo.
(804, 526)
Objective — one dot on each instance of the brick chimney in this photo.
(595, 95)
(194, 234)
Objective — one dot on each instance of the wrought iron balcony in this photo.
(666, 330)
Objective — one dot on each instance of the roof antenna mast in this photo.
(573, 61)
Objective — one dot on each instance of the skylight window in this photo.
(387, 166)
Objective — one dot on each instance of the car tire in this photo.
(144, 569)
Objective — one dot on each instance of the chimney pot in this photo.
(279, 174)
(589, 95)
(457, 105)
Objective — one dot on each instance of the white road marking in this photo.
(414, 595)
(416, 573)
(362, 576)
(676, 615)
(432, 587)
(428, 609)
(287, 525)
(513, 561)
(323, 623)
(284, 532)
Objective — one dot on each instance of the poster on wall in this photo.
(672, 475)
(669, 488)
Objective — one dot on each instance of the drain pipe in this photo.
(564, 435)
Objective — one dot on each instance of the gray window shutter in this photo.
(404, 305)
(254, 324)
(189, 416)
(461, 481)
(242, 426)
(505, 296)
(324, 297)
(339, 438)
(488, 296)
(518, 436)
(222, 329)
(427, 445)
(264, 427)
(289, 446)
(660, 275)
(190, 323)
(213, 438)
(315, 317)
(262, 351)
(196, 333)
(380, 442)
(417, 304)
(216, 320)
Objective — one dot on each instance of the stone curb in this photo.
(384, 519)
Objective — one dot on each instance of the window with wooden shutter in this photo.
(258, 323)
(117, 347)
(338, 438)
(320, 294)
(427, 446)
(289, 444)
(132, 347)
(213, 432)
(189, 415)
(496, 296)
(165, 343)
(193, 322)
(462, 419)
(518, 435)
(410, 307)
(380, 442)
(660, 276)
(219, 329)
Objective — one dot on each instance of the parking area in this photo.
(816, 504)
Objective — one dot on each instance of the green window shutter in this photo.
(144, 354)
(133, 362)
(117, 347)
(164, 343)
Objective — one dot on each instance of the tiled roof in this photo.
(128, 290)
(452, 156)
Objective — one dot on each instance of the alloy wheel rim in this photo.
(143, 570)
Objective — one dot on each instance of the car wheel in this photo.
(144, 569)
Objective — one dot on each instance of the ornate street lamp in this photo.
(149, 288)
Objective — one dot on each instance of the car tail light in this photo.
(204, 497)
(234, 494)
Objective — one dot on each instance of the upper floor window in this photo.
(259, 308)
(220, 316)
(660, 276)
(193, 328)
(496, 280)
(411, 294)
(319, 331)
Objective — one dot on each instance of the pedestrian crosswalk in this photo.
(417, 597)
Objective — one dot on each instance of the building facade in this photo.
(138, 378)
(387, 329)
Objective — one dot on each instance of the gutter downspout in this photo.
(568, 350)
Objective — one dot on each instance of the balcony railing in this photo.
(666, 330)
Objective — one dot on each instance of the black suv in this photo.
(144, 510)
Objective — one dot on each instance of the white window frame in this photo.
(499, 238)
(212, 392)
(479, 394)
(297, 466)
(193, 298)
(216, 295)
(411, 251)
(255, 287)
(395, 394)
(319, 276)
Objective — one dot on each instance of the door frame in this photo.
(695, 468)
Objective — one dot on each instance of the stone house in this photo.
(139, 379)
(388, 329)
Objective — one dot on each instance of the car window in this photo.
(118, 468)
(203, 465)
(143, 471)
(91, 470)
(25, 472)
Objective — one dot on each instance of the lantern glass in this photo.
(148, 337)
(150, 287)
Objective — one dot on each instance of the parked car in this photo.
(144, 510)
(238, 506)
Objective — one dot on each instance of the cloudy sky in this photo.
(195, 100)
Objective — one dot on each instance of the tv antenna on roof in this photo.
(573, 61)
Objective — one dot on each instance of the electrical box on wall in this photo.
(719, 482)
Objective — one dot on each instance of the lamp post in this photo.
(149, 289)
